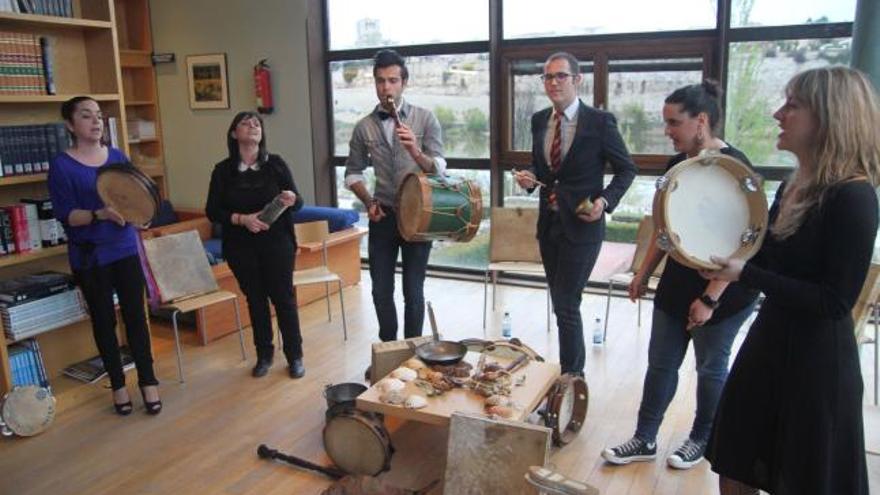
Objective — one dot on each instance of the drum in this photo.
(433, 207)
(567, 405)
(27, 411)
(357, 442)
(129, 191)
(710, 205)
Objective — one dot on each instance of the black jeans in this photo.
(264, 271)
(97, 284)
(568, 268)
(384, 244)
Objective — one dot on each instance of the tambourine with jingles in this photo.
(27, 411)
(567, 404)
(130, 192)
(710, 205)
(357, 442)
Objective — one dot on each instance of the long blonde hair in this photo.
(847, 141)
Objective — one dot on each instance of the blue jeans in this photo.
(669, 341)
(384, 243)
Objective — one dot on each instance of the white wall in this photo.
(246, 31)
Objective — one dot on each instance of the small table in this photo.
(539, 378)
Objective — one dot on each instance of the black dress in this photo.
(790, 417)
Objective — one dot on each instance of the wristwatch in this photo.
(708, 301)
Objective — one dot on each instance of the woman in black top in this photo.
(790, 417)
(686, 307)
(261, 256)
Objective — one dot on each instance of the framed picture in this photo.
(208, 84)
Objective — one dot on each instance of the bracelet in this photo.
(94, 217)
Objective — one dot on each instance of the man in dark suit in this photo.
(571, 143)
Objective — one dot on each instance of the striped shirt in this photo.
(374, 142)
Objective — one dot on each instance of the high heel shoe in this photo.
(153, 408)
(123, 409)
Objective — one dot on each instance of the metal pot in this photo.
(343, 394)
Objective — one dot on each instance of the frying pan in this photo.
(440, 351)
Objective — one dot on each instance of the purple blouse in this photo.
(72, 186)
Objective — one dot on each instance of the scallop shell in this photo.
(393, 397)
(501, 411)
(497, 400)
(415, 401)
(386, 385)
(404, 374)
(414, 364)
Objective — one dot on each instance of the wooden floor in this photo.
(206, 438)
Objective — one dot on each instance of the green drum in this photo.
(433, 207)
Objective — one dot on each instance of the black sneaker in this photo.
(634, 449)
(688, 455)
(261, 368)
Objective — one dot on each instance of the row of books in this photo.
(28, 149)
(26, 64)
(60, 8)
(29, 226)
(26, 364)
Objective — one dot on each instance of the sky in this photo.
(424, 21)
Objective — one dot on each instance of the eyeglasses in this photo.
(559, 76)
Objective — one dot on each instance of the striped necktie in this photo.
(556, 146)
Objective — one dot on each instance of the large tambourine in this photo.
(567, 403)
(130, 192)
(710, 205)
(358, 442)
(27, 411)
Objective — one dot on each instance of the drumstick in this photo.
(519, 173)
(266, 453)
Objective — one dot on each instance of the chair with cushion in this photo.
(513, 248)
(318, 232)
(643, 238)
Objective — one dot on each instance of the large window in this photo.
(454, 87)
(749, 13)
(526, 19)
(375, 23)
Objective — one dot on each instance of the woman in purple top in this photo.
(103, 251)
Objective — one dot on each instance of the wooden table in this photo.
(539, 378)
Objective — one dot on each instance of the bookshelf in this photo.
(86, 61)
(139, 89)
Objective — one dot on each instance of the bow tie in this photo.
(383, 115)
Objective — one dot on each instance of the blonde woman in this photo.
(790, 417)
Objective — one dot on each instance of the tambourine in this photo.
(710, 205)
(567, 404)
(358, 442)
(27, 411)
(130, 192)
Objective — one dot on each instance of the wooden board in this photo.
(179, 265)
(539, 378)
(492, 456)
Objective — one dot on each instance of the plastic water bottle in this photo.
(598, 333)
(506, 325)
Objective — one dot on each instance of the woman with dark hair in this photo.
(686, 307)
(261, 256)
(790, 417)
(103, 251)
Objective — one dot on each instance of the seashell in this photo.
(404, 374)
(386, 385)
(415, 401)
(497, 400)
(414, 364)
(424, 373)
(393, 397)
(501, 411)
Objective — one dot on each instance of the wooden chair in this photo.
(319, 232)
(513, 248)
(867, 306)
(199, 303)
(643, 238)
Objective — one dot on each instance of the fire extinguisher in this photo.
(263, 87)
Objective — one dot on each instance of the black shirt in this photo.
(680, 285)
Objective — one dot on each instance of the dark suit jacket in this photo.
(596, 142)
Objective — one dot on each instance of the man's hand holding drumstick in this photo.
(526, 179)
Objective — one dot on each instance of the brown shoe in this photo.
(557, 483)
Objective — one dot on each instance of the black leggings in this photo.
(97, 284)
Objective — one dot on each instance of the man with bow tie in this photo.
(394, 147)
(571, 143)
